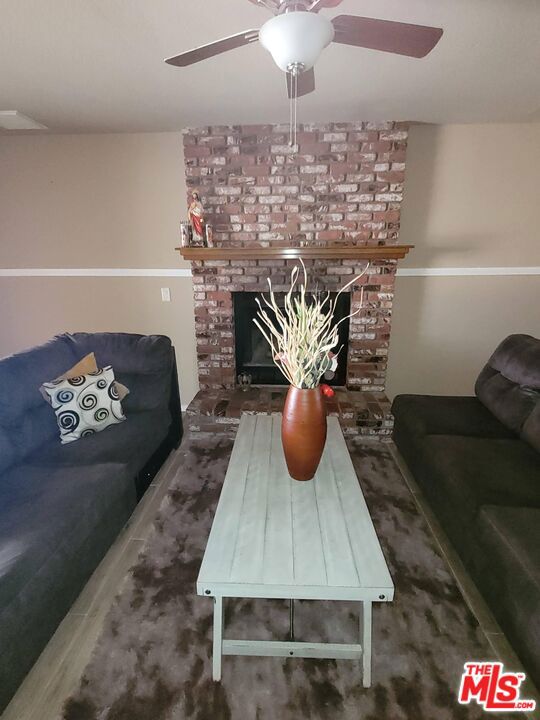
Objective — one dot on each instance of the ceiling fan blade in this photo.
(306, 83)
(393, 37)
(215, 48)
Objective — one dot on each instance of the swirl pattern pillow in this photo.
(85, 404)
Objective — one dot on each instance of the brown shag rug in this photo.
(153, 660)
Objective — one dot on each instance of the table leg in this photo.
(218, 638)
(365, 639)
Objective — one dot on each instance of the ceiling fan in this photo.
(298, 34)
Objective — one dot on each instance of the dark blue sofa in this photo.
(61, 506)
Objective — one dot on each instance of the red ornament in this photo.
(327, 391)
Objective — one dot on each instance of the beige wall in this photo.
(445, 328)
(114, 201)
(34, 309)
(471, 200)
(472, 195)
(91, 200)
(94, 201)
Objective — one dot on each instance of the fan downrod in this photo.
(280, 7)
(293, 6)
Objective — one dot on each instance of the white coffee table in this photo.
(274, 537)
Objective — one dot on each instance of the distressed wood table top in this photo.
(274, 537)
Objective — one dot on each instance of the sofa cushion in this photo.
(21, 376)
(7, 451)
(85, 366)
(36, 428)
(513, 533)
(85, 404)
(60, 527)
(150, 391)
(24, 416)
(42, 506)
(530, 431)
(417, 416)
(447, 415)
(509, 385)
(141, 362)
(508, 573)
(127, 352)
(460, 474)
(131, 443)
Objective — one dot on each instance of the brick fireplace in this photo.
(334, 199)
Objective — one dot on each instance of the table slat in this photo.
(338, 554)
(248, 557)
(369, 559)
(219, 553)
(278, 557)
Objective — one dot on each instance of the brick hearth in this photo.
(342, 185)
(364, 414)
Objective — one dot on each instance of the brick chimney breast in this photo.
(341, 185)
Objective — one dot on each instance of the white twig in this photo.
(303, 334)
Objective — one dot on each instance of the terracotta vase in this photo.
(303, 431)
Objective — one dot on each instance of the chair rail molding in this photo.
(95, 272)
(470, 271)
(186, 272)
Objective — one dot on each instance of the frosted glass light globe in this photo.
(296, 38)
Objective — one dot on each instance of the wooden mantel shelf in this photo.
(378, 252)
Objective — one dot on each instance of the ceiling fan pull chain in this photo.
(291, 100)
(295, 107)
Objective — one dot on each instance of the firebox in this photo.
(253, 354)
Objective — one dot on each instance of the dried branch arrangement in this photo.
(303, 336)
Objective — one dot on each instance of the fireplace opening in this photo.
(253, 355)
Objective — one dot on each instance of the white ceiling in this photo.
(97, 65)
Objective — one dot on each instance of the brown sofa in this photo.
(477, 459)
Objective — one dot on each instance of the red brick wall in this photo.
(343, 183)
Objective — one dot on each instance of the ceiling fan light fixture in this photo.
(296, 39)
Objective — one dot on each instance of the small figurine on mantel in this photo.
(196, 219)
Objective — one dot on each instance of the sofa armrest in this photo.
(175, 408)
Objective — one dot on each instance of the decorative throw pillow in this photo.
(85, 366)
(86, 404)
